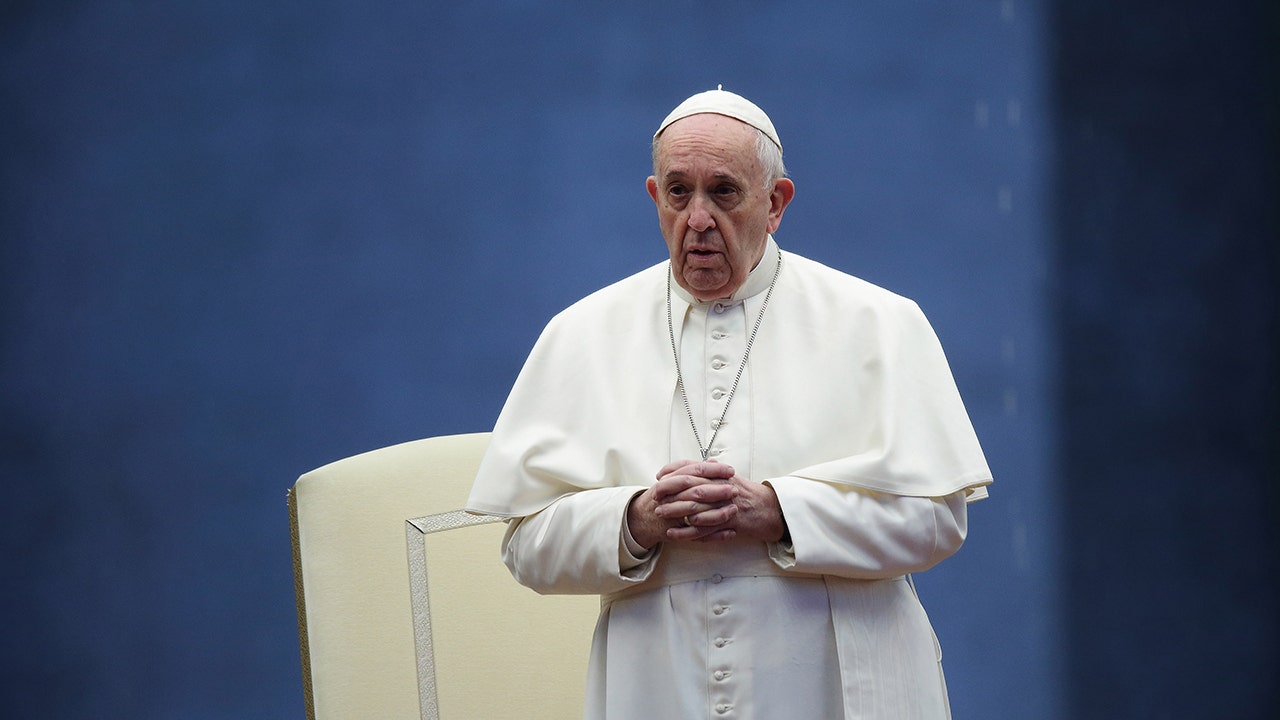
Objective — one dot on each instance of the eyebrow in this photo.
(680, 175)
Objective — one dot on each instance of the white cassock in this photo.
(846, 407)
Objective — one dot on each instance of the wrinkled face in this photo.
(713, 208)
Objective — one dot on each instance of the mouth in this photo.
(701, 256)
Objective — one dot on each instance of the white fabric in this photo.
(857, 392)
(847, 409)
(789, 636)
(723, 102)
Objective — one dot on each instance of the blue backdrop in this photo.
(241, 240)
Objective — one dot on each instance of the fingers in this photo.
(678, 477)
(697, 525)
(725, 534)
(707, 469)
(701, 534)
(695, 501)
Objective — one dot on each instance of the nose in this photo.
(700, 219)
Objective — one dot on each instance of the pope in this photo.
(745, 453)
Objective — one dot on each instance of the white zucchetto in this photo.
(723, 102)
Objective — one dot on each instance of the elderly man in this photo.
(745, 453)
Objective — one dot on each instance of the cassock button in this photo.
(723, 708)
(719, 609)
(717, 394)
(717, 578)
(715, 423)
(721, 642)
(717, 364)
(721, 674)
(718, 307)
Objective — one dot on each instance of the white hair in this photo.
(769, 155)
(770, 159)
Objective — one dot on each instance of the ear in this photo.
(779, 199)
(652, 186)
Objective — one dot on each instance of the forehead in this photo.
(708, 143)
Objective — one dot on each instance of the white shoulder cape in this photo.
(850, 386)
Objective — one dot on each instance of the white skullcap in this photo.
(723, 102)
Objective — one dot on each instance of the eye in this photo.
(677, 195)
(726, 195)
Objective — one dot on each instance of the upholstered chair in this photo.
(404, 607)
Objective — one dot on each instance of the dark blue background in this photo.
(240, 240)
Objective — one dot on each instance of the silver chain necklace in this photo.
(675, 352)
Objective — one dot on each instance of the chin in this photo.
(705, 277)
(711, 293)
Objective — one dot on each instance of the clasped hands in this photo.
(703, 500)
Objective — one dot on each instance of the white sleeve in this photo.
(855, 533)
(576, 545)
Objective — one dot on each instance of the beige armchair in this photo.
(404, 607)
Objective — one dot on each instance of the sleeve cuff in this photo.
(782, 552)
(631, 554)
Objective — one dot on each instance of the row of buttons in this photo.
(718, 362)
(721, 675)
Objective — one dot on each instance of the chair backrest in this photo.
(404, 607)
